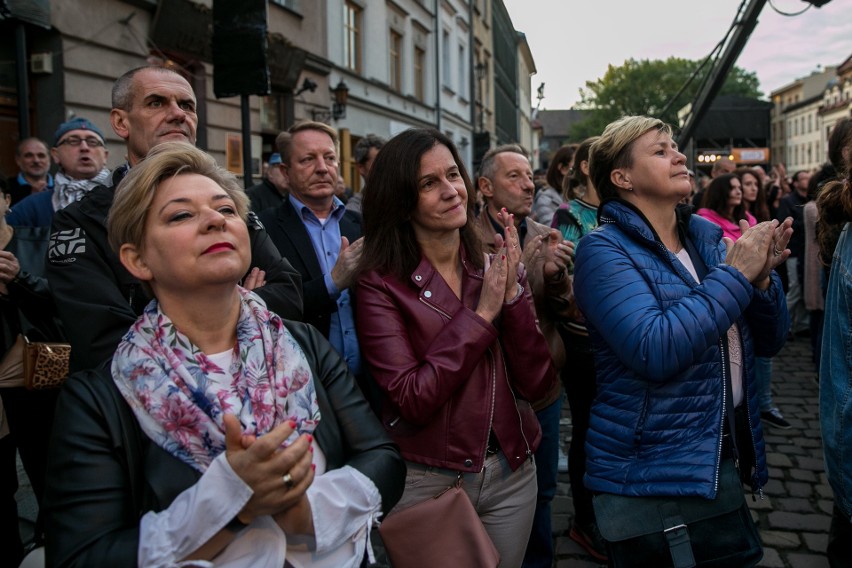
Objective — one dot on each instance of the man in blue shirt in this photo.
(322, 239)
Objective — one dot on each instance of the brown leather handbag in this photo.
(45, 364)
(441, 531)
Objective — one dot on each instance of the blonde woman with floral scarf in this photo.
(220, 434)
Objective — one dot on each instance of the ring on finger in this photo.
(775, 251)
(288, 480)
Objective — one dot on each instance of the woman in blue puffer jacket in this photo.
(676, 316)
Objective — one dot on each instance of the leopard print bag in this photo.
(45, 364)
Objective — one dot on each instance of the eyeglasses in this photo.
(75, 141)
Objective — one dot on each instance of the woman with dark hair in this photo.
(676, 316)
(754, 199)
(579, 215)
(450, 337)
(550, 197)
(754, 194)
(723, 204)
(835, 388)
(576, 219)
(219, 432)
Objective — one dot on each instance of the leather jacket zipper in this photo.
(493, 402)
(493, 384)
(436, 308)
(517, 412)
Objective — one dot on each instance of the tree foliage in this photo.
(646, 87)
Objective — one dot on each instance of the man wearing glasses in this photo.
(79, 150)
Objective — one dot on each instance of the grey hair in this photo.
(487, 167)
(362, 148)
(122, 89)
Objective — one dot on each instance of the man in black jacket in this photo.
(272, 191)
(96, 297)
(321, 238)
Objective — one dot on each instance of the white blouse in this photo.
(344, 505)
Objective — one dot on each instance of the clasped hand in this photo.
(262, 463)
(760, 249)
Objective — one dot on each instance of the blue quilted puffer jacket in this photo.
(660, 340)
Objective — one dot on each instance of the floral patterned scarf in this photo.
(164, 378)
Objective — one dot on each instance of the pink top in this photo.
(730, 229)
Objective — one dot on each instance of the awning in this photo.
(35, 12)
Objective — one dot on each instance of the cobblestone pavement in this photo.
(795, 513)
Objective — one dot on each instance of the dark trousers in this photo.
(539, 553)
(578, 378)
(839, 549)
(10, 539)
(30, 415)
(816, 319)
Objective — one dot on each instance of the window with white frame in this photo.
(445, 59)
(395, 61)
(462, 67)
(352, 36)
(419, 74)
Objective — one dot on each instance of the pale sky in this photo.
(573, 41)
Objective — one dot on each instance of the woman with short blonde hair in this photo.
(219, 432)
(676, 316)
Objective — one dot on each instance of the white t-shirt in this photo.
(735, 349)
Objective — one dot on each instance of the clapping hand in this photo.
(278, 476)
(760, 249)
(346, 268)
(511, 242)
(493, 286)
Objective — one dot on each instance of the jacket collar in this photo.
(434, 290)
(705, 235)
(633, 221)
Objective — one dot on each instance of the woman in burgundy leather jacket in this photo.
(451, 338)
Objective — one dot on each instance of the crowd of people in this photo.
(260, 377)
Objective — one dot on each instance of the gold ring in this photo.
(288, 480)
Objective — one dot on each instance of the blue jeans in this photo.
(540, 546)
(763, 382)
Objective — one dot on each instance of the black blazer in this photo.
(284, 226)
(108, 473)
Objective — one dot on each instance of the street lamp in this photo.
(338, 106)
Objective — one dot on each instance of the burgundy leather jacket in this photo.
(449, 377)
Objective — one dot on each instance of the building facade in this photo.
(396, 64)
(796, 121)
